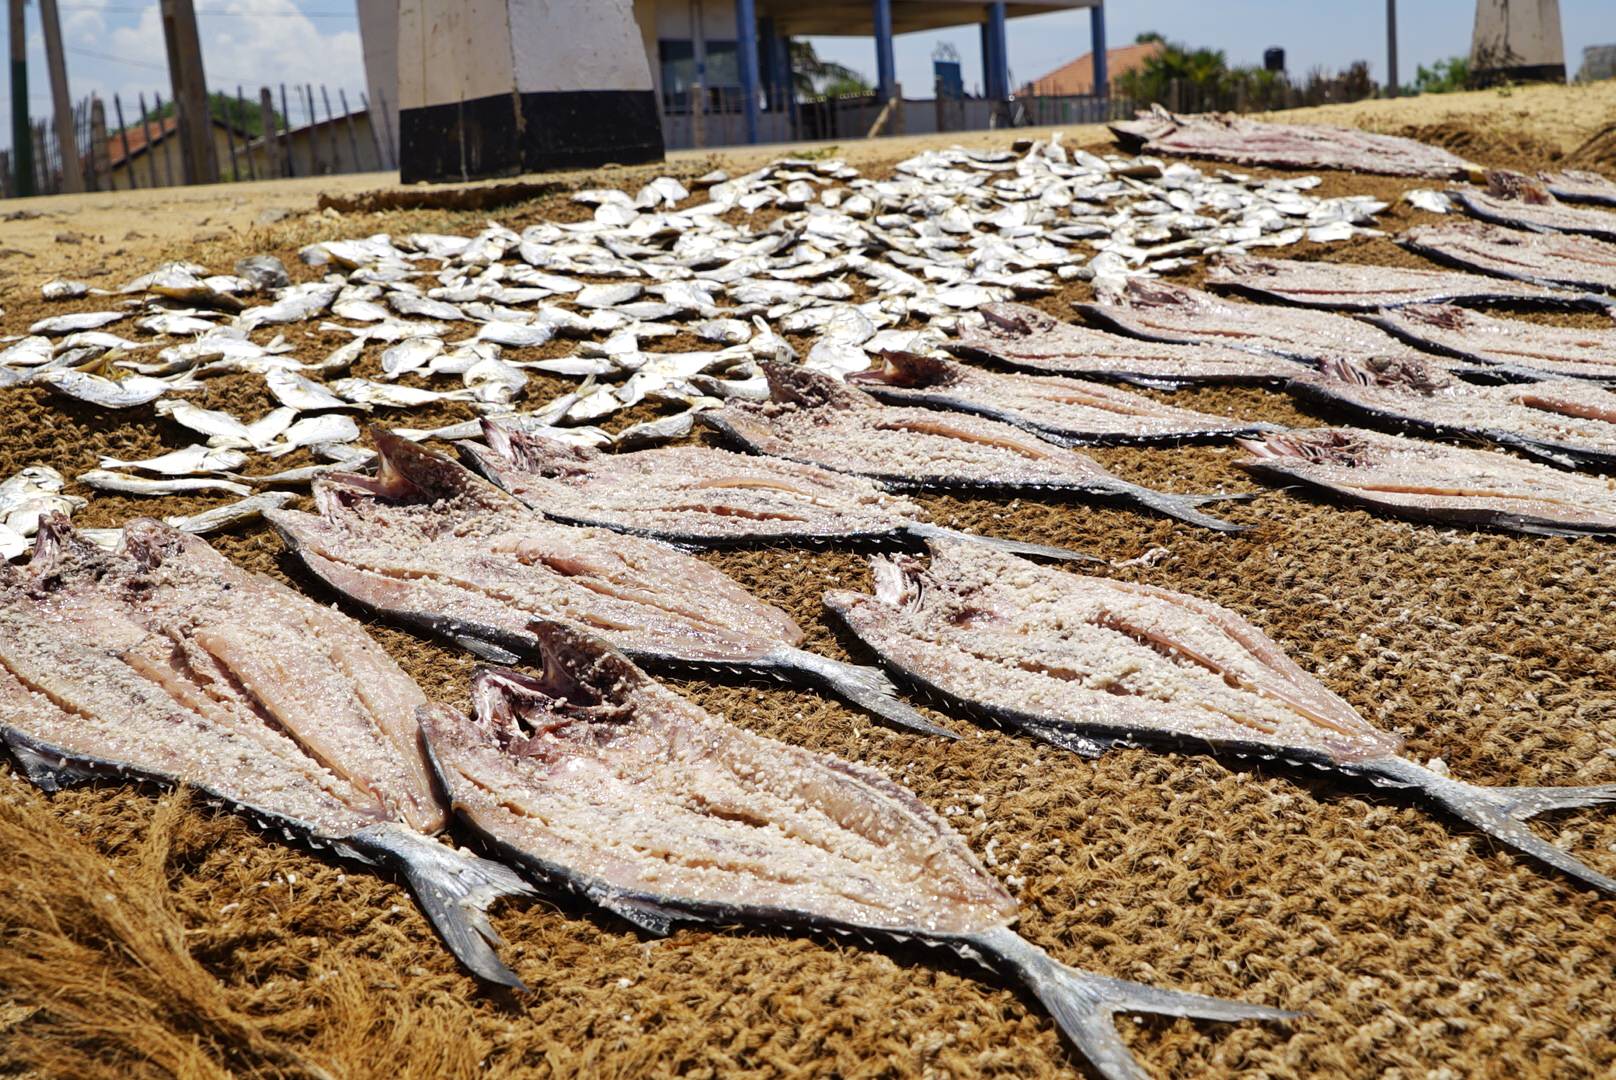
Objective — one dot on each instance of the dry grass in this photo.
(145, 935)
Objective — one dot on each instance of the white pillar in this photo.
(1518, 40)
(378, 32)
(494, 87)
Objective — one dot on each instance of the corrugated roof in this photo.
(1077, 77)
(156, 130)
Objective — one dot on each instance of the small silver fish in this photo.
(220, 427)
(107, 393)
(223, 517)
(129, 484)
(305, 395)
(189, 461)
(408, 355)
(366, 393)
(63, 289)
(58, 325)
(325, 428)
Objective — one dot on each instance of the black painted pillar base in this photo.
(1483, 78)
(516, 133)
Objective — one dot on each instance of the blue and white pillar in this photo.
(1102, 70)
(886, 68)
(746, 37)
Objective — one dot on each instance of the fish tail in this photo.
(1085, 1004)
(1183, 507)
(454, 890)
(921, 530)
(866, 687)
(1502, 812)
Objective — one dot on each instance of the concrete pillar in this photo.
(494, 87)
(1519, 40)
(1102, 67)
(746, 53)
(378, 35)
(997, 75)
(886, 68)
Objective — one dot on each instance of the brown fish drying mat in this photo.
(142, 934)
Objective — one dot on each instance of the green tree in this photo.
(817, 77)
(1442, 77)
(1147, 37)
(244, 116)
(1204, 72)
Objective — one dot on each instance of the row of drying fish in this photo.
(97, 650)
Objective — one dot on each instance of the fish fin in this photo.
(485, 650)
(1085, 1004)
(921, 530)
(651, 918)
(1182, 507)
(454, 890)
(1088, 746)
(48, 771)
(1502, 812)
(866, 687)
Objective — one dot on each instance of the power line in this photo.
(217, 13)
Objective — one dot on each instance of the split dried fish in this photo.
(1087, 662)
(165, 661)
(1425, 481)
(1528, 349)
(1366, 287)
(704, 496)
(128, 484)
(816, 419)
(650, 807)
(427, 542)
(1066, 411)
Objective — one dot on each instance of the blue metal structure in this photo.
(995, 58)
(746, 48)
(1102, 71)
(886, 68)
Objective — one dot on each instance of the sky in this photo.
(116, 46)
(1311, 33)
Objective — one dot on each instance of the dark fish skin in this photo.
(1524, 203)
(1150, 667)
(1543, 258)
(430, 544)
(1513, 347)
(1447, 485)
(73, 623)
(1065, 411)
(1230, 137)
(815, 418)
(1564, 422)
(1571, 185)
(1162, 311)
(1362, 287)
(599, 781)
(1022, 337)
(701, 496)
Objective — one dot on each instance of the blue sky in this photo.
(1311, 32)
(116, 46)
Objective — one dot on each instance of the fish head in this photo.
(1503, 184)
(410, 473)
(151, 542)
(512, 447)
(791, 383)
(908, 370)
(581, 679)
(57, 548)
(1014, 320)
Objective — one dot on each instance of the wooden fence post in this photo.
(162, 135)
(100, 160)
(241, 114)
(286, 134)
(269, 135)
(151, 150)
(123, 133)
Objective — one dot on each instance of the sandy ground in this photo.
(144, 934)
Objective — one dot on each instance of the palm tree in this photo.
(814, 77)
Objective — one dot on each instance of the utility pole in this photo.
(1391, 48)
(22, 130)
(66, 134)
(190, 87)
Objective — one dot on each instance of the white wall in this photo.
(444, 52)
(378, 30)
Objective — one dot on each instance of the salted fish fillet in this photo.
(1230, 137)
(1521, 203)
(1023, 337)
(1067, 411)
(167, 662)
(427, 542)
(1575, 185)
(1567, 422)
(815, 418)
(1071, 658)
(1425, 481)
(600, 781)
(1527, 349)
(1362, 287)
(1546, 258)
(705, 496)
(1159, 311)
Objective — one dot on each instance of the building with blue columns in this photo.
(490, 87)
(697, 42)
